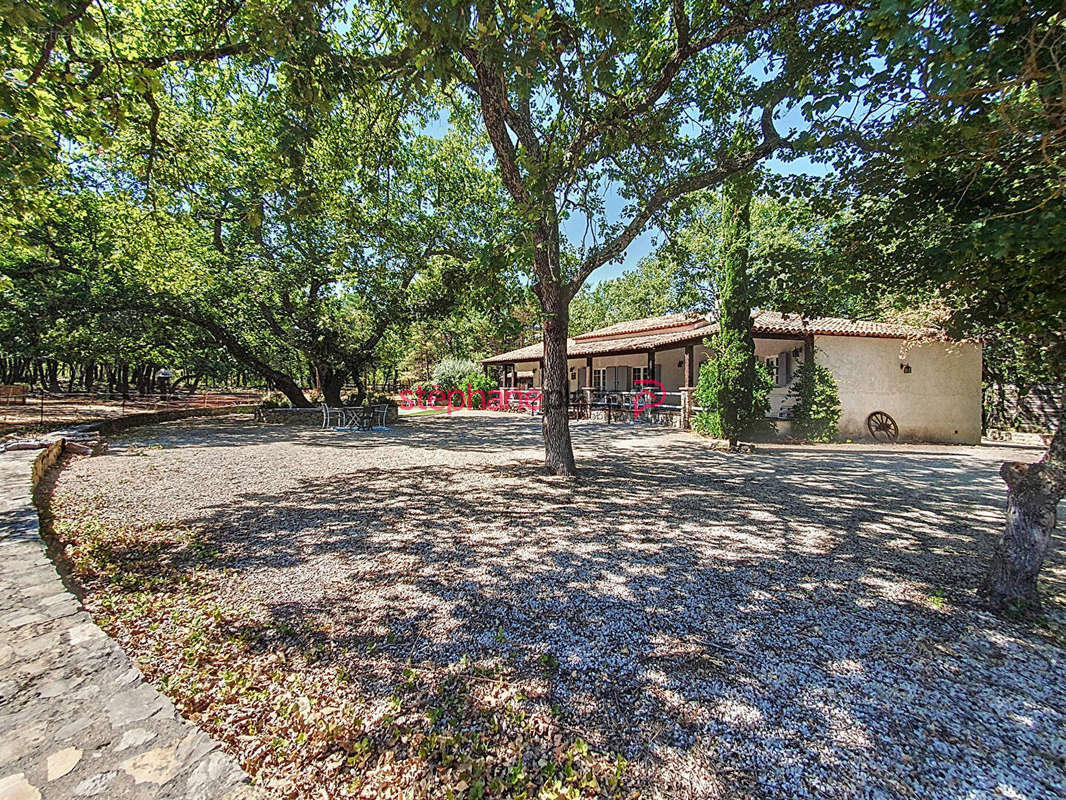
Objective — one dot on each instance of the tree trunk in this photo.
(558, 450)
(360, 387)
(330, 383)
(1033, 494)
(244, 354)
(287, 386)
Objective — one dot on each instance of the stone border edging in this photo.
(77, 719)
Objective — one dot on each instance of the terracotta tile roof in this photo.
(773, 322)
(642, 325)
(765, 322)
(577, 348)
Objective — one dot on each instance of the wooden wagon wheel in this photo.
(882, 427)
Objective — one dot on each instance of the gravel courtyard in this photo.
(798, 622)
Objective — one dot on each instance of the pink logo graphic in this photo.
(646, 398)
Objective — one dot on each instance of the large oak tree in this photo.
(642, 101)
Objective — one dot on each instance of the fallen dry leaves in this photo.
(301, 725)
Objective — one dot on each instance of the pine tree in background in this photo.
(733, 386)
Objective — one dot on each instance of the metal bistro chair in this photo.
(380, 414)
(330, 413)
(578, 407)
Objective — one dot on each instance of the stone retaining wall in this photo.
(109, 427)
(45, 460)
(651, 416)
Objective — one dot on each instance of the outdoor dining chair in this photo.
(329, 414)
(380, 414)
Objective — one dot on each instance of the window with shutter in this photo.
(644, 374)
(771, 366)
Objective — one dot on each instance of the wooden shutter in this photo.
(784, 371)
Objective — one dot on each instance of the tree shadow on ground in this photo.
(795, 618)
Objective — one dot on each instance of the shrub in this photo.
(816, 408)
(453, 373)
(369, 399)
(379, 399)
(458, 373)
(478, 382)
(275, 400)
(717, 375)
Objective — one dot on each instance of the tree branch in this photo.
(53, 36)
(684, 49)
(613, 249)
(493, 111)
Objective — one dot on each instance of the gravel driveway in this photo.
(798, 622)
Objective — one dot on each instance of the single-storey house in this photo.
(894, 380)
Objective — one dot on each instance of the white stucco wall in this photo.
(939, 400)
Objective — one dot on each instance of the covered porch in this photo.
(604, 376)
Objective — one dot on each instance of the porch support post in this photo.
(587, 388)
(689, 386)
(651, 365)
(808, 349)
(686, 407)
